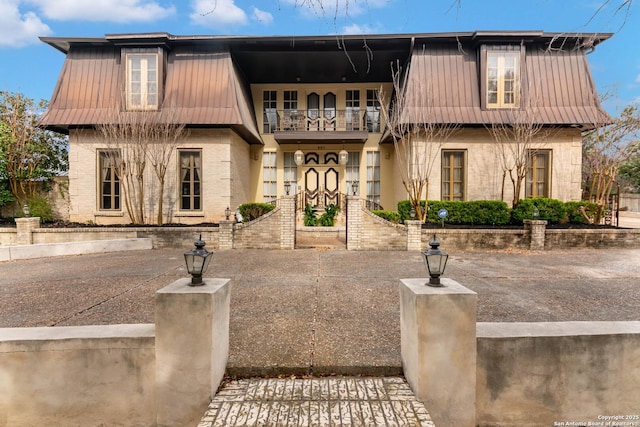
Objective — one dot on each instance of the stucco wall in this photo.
(77, 376)
(535, 374)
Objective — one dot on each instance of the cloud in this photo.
(217, 13)
(19, 29)
(261, 16)
(360, 29)
(336, 8)
(120, 11)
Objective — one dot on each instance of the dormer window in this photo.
(142, 74)
(501, 79)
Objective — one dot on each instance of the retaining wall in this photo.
(78, 376)
(545, 374)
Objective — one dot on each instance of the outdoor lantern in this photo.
(354, 187)
(287, 187)
(227, 213)
(435, 261)
(197, 260)
(412, 213)
(298, 157)
(536, 212)
(26, 210)
(343, 157)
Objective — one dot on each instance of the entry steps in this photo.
(317, 402)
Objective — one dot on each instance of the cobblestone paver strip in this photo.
(331, 401)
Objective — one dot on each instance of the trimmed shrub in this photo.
(404, 208)
(573, 211)
(390, 216)
(551, 210)
(251, 211)
(476, 212)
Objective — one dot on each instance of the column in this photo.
(287, 222)
(537, 230)
(192, 348)
(225, 235)
(354, 223)
(438, 347)
(414, 235)
(24, 229)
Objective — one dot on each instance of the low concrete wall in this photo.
(77, 376)
(538, 374)
(455, 239)
(597, 239)
(9, 253)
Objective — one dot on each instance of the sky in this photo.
(32, 67)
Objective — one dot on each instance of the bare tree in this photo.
(518, 134)
(605, 148)
(418, 135)
(134, 138)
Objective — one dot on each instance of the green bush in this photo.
(327, 219)
(551, 210)
(477, 212)
(404, 209)
(251, 211)
(41, 207)
(390, 216)
(310, 219)
(573, 211)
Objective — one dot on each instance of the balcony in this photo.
(327, 125)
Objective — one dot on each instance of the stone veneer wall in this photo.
(261, 233)
(468, 239)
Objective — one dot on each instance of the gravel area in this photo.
(321, 310)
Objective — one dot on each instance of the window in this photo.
(290, 173)
(270, 189)
(373, 111)
(190, 180)
(142, 81)
(353, 173)
(453, 175)
(291, 100)
(502, 77)
(269, 106)
(373, 177)
(353, 110)
(109, 180)
(538, 174)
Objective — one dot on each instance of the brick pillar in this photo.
(438, 348)
(24, 228)
(288, 222)
(192, 348)
(537, 230)
(414, 235)
(354, 223)
(225, 235)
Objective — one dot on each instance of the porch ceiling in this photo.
(326, 137)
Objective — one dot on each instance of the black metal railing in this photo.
(315, 120)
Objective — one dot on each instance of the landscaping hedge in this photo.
(551, 210)
(476, 212)
(251, 211)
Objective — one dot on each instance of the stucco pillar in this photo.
(537, 230)
(225, 234)
(24, 229)
(438, 347)
(192, 348)
(354, 223)
(287, 222)
(414, 235)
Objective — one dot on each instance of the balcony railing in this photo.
(327, 120)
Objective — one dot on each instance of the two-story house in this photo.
(270, 116)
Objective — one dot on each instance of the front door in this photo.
(321, 186)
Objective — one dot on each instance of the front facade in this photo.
(270, 116)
